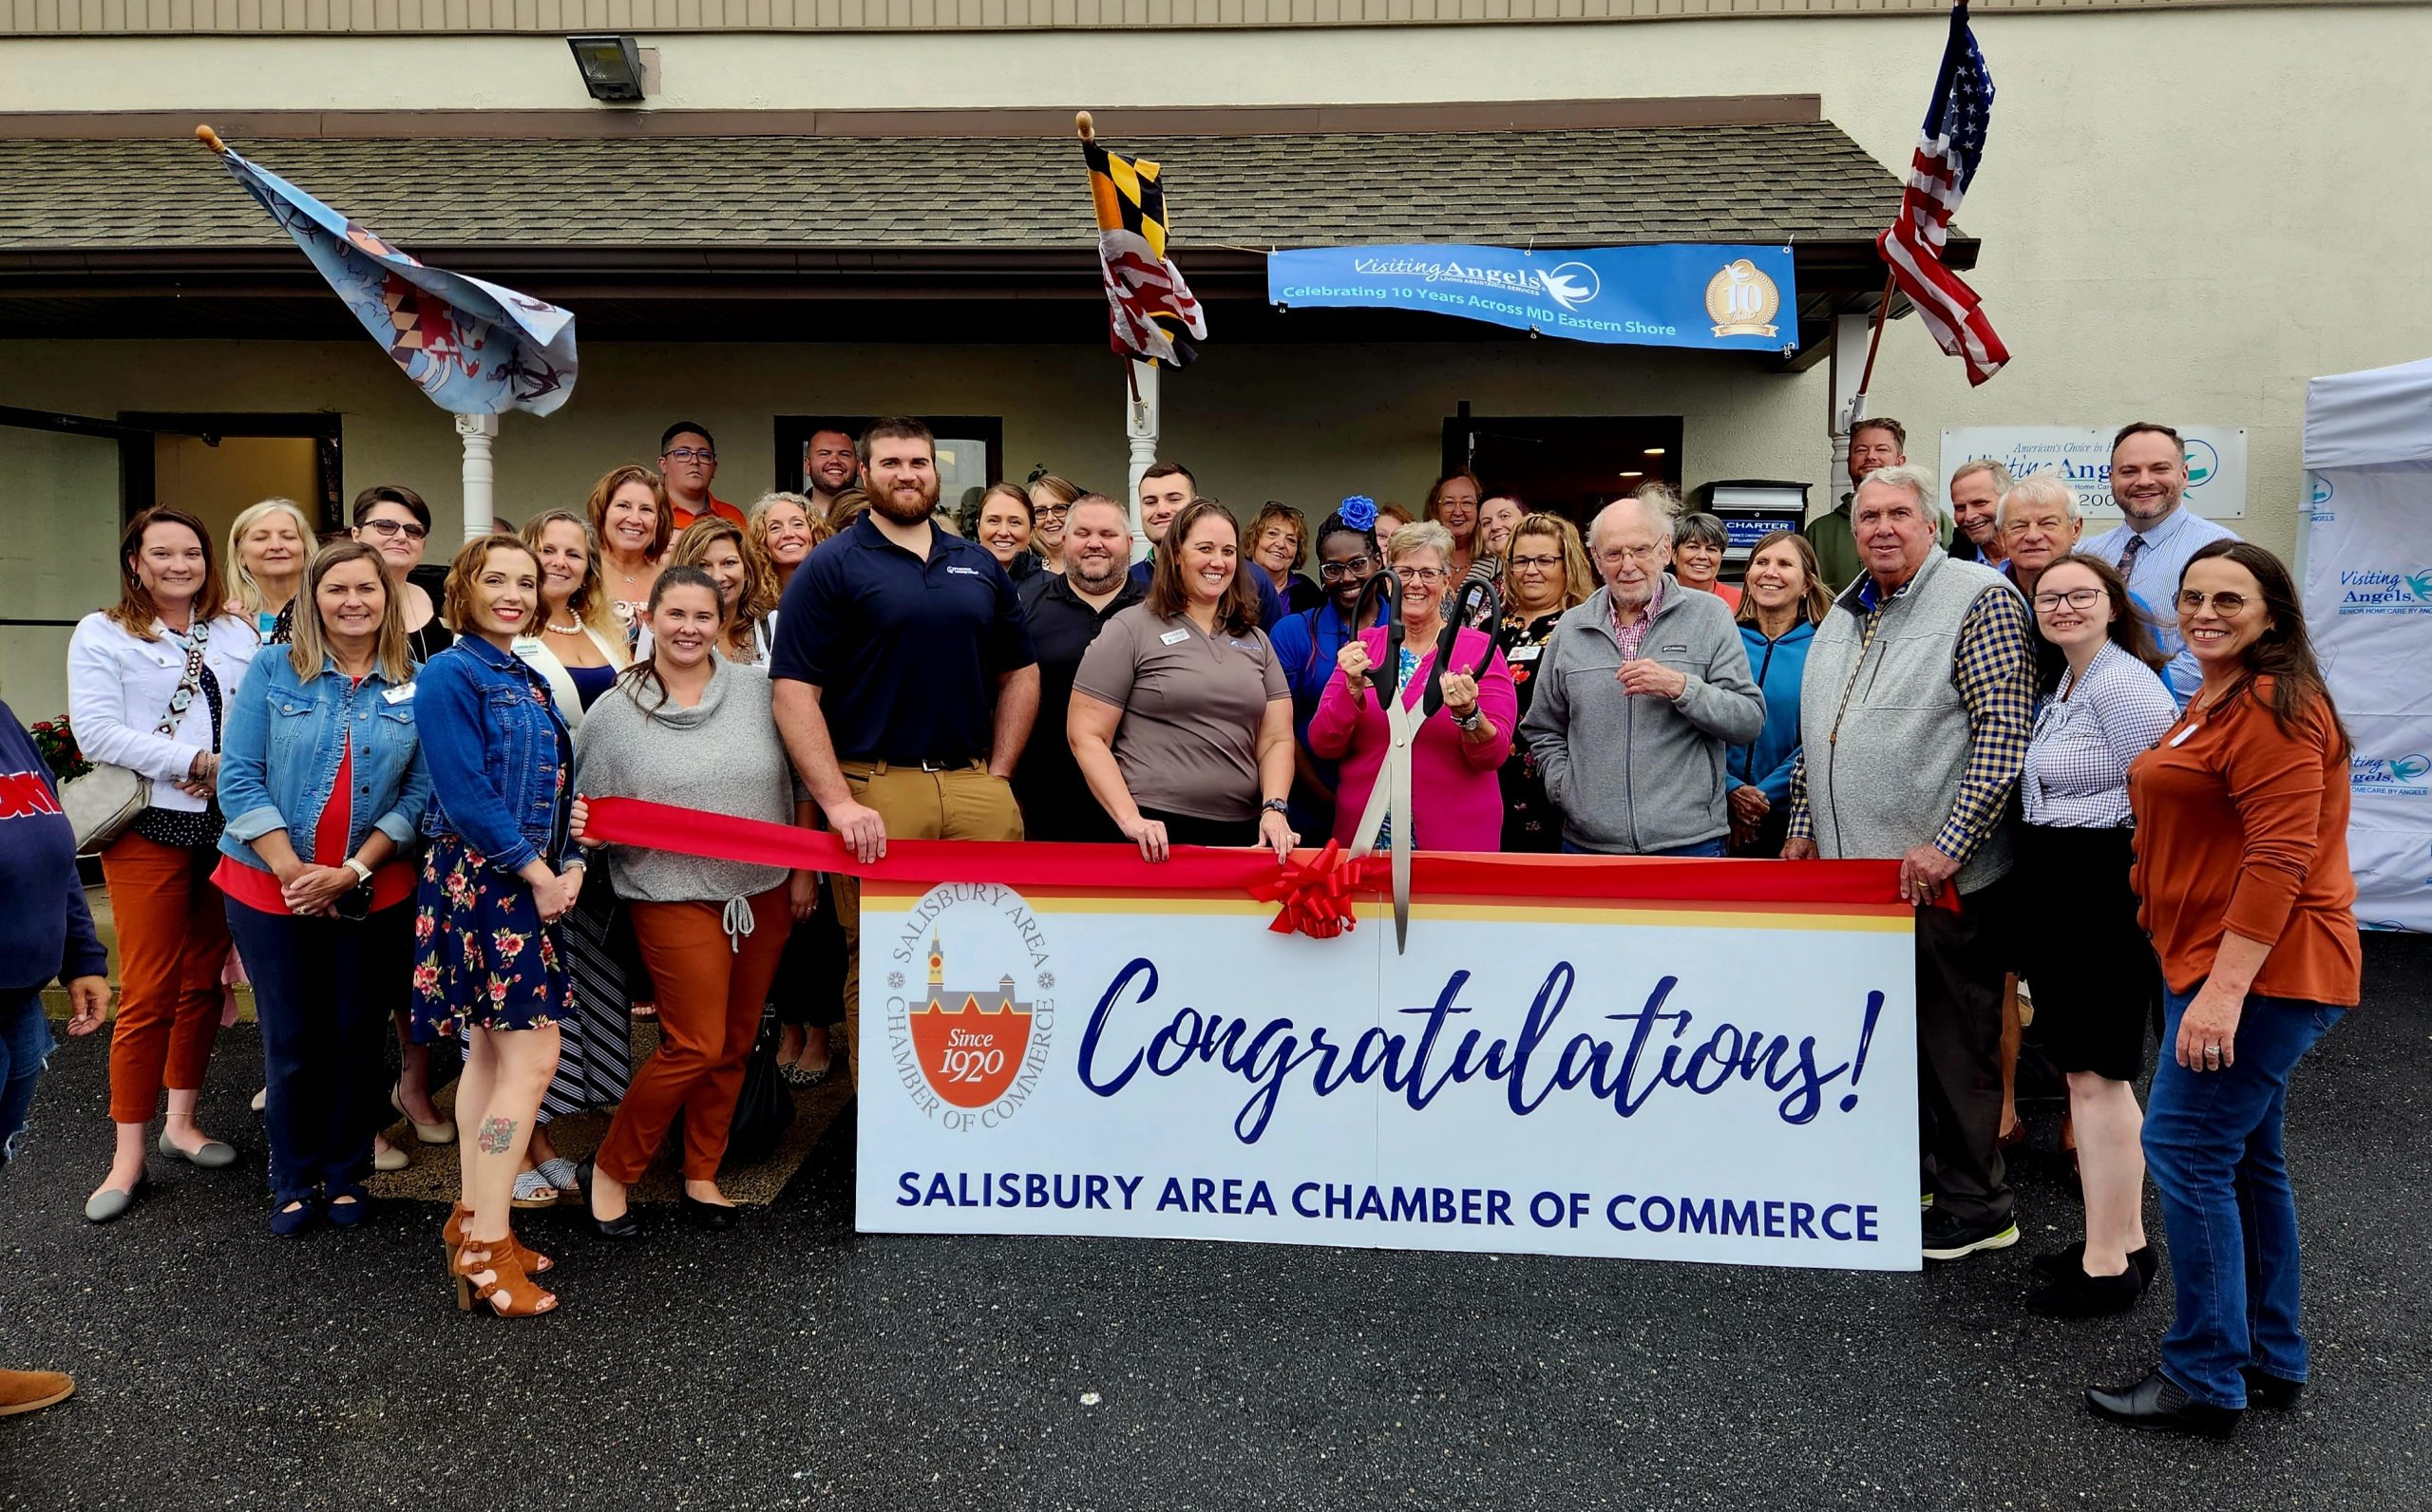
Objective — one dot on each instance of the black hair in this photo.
(667, 437)
(397, 494)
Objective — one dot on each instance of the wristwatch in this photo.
(361, 873)
(1469, 720)
(1275, 805)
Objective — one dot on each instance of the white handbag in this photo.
(102, 804)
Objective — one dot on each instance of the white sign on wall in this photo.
(2215, 462)
(1689, 1082)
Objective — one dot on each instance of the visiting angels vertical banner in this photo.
(1544, 1070)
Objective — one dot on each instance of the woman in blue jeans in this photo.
(2242, 866)
(324, 784)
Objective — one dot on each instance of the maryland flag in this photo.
(1149, 310)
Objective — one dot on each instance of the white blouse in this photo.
(118, 690)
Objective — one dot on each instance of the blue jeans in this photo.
(1703, 847)
(323, 988)
(24, 1045)
(2213, 1147)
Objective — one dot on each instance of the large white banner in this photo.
(2369, 603)
(2081, 454)
(1730, 1083)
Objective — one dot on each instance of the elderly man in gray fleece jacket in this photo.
(1639, 693)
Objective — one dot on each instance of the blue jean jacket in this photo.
(501, 763)
(279, 757)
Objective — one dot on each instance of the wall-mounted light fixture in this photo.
(610, 65)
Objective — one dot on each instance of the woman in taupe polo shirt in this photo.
(1181, 719)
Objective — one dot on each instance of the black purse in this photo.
(765, 1109)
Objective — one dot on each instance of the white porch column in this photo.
(1140, 420)
(480, 500)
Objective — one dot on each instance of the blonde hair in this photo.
(247, 592)
(307, 644)
(1424, 535)
(760, 594)
(589, 603)
(603, 492)
(1577, 577)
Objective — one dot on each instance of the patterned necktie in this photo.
(2128, 555)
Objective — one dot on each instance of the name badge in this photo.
(2181, 739)
(1173, 637)
(1524, 654)
(399, 695)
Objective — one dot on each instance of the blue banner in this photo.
(1670, 295)
(474, 348)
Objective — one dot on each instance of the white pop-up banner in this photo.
(2367, 553)
(1729, 1082)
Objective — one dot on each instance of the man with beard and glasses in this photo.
(1066, 611)
(829, 466)
(904, 681)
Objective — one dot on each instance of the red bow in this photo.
(1315, 895)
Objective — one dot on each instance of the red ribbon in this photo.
(1314, 888)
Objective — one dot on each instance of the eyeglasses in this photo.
(2075, 598)
(1047, 512)
(396, 527)
(688, 454)
(2225, 605)
(1335, 571)
(1543, 564)
(1609, 554)
(1422, 574)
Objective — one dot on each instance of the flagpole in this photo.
(1140, 411)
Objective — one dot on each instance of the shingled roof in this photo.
(1794, 181)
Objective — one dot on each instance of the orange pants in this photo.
(710, 998)
(172, 945)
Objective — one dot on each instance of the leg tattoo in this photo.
(497, 1136)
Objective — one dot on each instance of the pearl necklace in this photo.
(556, 629)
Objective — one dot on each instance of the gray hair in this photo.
(2001, 475)
(1911, 476)
(1423, 535)
(2041, 489)
(1658, 503)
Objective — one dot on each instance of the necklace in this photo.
(556, 629)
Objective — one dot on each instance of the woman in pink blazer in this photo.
(1455, 795)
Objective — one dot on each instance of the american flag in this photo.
(1948, 151)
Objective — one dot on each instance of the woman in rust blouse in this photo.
(2242, 866)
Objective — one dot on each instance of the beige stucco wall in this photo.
(2170, 212)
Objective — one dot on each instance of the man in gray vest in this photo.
(1641, 689)
(1918, 699)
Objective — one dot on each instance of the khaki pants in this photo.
(963, 803)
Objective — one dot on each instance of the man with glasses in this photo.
(830, 465)
(687, 459)
(1916, 713)
(1639, 692)
(2156, 535)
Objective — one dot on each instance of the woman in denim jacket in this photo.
(324, 785)
(487, 962)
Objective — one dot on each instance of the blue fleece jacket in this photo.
(1777, 665)
(45, 931)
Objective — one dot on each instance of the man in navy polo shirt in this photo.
(903, 678)
(1164, 490)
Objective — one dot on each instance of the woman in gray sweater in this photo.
(686, 727)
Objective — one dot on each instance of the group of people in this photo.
(372, 789)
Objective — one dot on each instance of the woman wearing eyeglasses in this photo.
(2095, 985)
(1307, 643)
(2242, 864)
(394, 520)
(325, 784)
(1544, 573)
(1050, 504)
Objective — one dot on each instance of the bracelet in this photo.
(1470, 721)
(361, 873)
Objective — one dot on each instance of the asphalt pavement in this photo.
(794, 1364)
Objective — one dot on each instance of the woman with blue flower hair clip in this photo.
(1308, 643)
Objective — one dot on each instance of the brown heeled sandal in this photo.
(508, 1291)
(535, 1264)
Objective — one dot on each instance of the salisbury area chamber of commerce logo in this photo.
(1742, 300)
(2368, 591)
(970, 1048)
(2390, 776)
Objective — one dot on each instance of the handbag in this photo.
(102, 802)
(765, 1109)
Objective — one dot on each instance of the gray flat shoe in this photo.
(212, 1155)
(112, 1202)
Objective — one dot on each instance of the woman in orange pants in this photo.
(685, 727)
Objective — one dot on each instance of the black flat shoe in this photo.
(2080, 1294)
(2273, 1393)
(623, 1226)
(702, 1215)
(2054, 1265)
(2157, 1401)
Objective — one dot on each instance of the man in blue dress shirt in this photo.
(2156, 536)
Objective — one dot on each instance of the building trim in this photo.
(1118, 123)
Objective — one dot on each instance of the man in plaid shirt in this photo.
(1916, 708)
